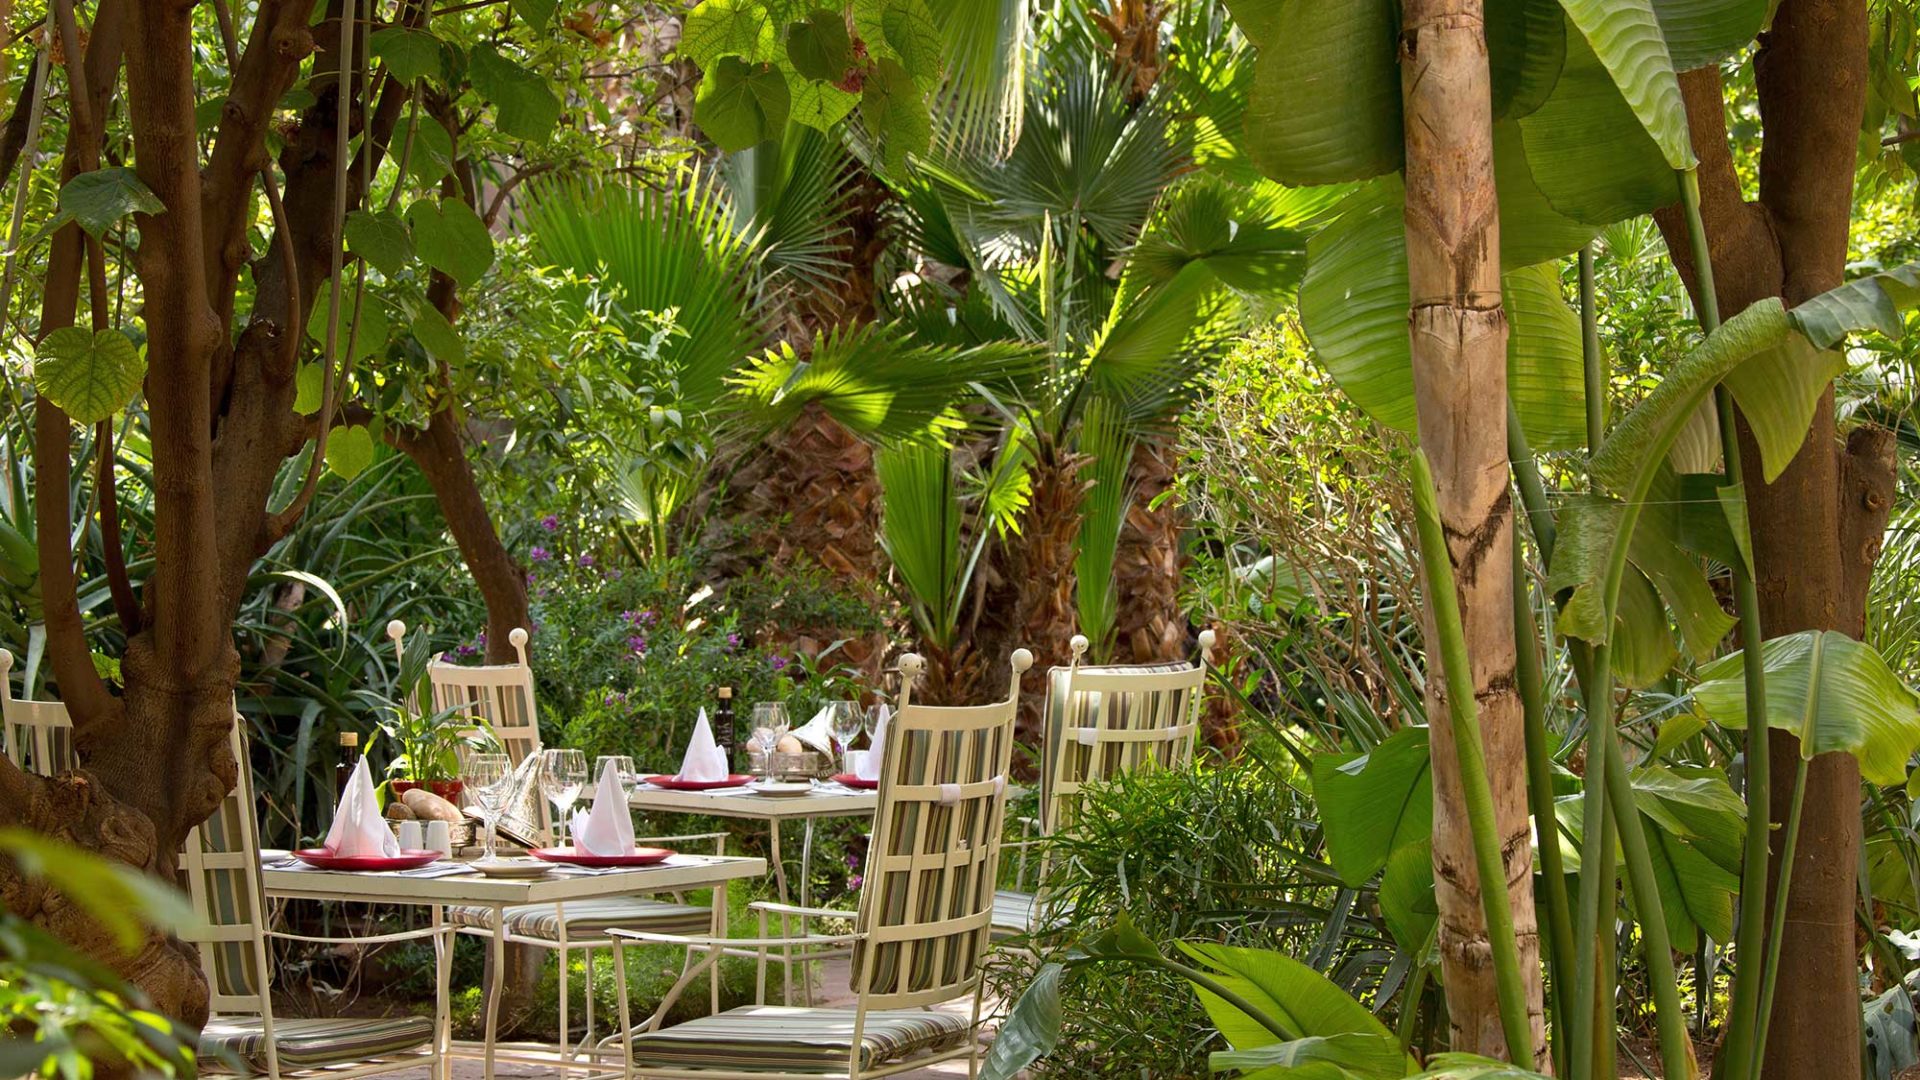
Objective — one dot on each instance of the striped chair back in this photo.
(38, 734)
(501, 695)
(1105, 720)
(926, 907)
(220, 872)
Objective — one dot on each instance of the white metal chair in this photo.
(921, 933)
(38, 736)
(500, 697)
(1102, 721)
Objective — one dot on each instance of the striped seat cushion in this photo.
(1013, 912)
(769, 1038)
(591, 918)
(305, 1044)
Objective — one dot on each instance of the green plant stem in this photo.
(1410, 1006)
(1533, 698)
(1779, 928)
(1533, 490)
(1476, 789)
(1596, 885)
(1670, 1017)
(1596, 372)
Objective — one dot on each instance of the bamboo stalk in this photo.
(1476, 789)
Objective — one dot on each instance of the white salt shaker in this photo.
(410, 838)
(438, 838)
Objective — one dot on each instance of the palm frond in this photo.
(879, 381)
(920, 526)
(988, 45)
(789, 203)
(1107, 437)
(661, 251)
(1155, 343)
(1253, 238)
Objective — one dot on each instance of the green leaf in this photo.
(820, 105)
(1300, 1000)
(1701, 32)
(1406, 896)
(537, 13)
(409, 54)
(1829, 691)
(1325, 102)
(438, 337)
(743, 29)
(1873, 302)
(1030, 1031)
(895, 113)
(741, 105)
(1253, 240)
(1588, 153)
(819, 46)
(1374, 803)
(1526, 47)
(308, 386)
(430, 157)
(901, 30)
(1626, 36)
(1321, 1057)
(122, 899)
(451, 238)
(380, 238)
(368, 340)
(524, 104)
(349, 451)
(1696, 890)
(1474, 1067)
(1589, 526)
(1531, 230)
(1354, 302)
(1777, 391)
(99, 199)
(89, 375)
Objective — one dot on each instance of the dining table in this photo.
(454, 882)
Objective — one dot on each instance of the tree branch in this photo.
(118, 582)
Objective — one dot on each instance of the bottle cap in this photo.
(726, 692)
(349, 738)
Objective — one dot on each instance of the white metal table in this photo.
(446, 884)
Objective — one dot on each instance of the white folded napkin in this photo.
(358, 828)
(607, 829)
(869, 766)
(817, 732)
(704, 760)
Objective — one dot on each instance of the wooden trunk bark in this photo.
(1459, 336)
(1816, 528)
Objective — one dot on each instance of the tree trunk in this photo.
(1459, 336)
(1817, 527)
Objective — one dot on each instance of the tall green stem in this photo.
(1553, 870)
(1463, 715)
(1779, 928)
(1596, 882)
(1596, 372)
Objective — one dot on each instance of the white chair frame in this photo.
(899, 925)
(502, 696)
(38, 736)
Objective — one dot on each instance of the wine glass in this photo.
(622, 768)
(487, 777)
(870, 723)
(562, 774)
(770, 725)
(844, 721)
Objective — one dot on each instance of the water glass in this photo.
(562, 774)
(844, 721)
(772, 715)
(870, 722)
(487, 777)
(622, 768)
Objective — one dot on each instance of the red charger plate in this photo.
(674, 783)
(853, 781)
(645, 856)
(324, 859)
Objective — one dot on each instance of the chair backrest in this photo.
(1102, 721)
(38, 735)
(926, 906)
(220, 872)
(501, 695)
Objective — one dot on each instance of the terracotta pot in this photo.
(446, 789)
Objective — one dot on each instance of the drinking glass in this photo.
(844, 721)
(487, 777)
(622, 768)
(770, 725)
(870, 723)
(562, 774)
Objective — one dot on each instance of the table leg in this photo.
(786, 930)
(442, 1008)
(720, 912)
(497, 966)
(806, 887)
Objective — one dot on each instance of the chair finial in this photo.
(396, 629)
(911, 666)
(1207, 638)
(518, 637)
(6, 662)
(1022, 659)
(1079, 645)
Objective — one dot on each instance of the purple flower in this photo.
(638, 644)
(540, 554)
(551, 523)
(853, 861)
(481, 637)
(584, 562)
(778, 662)
(468, 650)
(854, 881)
(615, 697)
(733, 641)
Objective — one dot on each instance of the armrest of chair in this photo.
(700, 941)
(774, 907)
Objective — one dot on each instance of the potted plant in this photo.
(427, 748)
